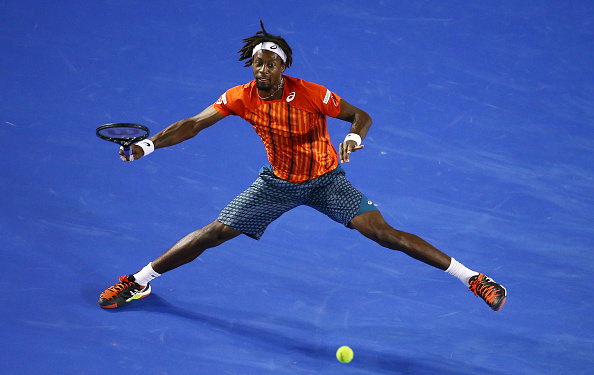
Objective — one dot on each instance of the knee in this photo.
(374, 227)
(387, 236)
(216, 233)
(378, 230)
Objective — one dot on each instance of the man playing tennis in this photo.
(290, 117)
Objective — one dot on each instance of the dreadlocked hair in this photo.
(245, 53)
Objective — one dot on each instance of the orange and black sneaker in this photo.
(491, 292)
(123, 292)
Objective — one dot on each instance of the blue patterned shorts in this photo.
(269, 197)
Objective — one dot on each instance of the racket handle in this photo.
(127, 151)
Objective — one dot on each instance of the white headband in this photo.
(272, 47)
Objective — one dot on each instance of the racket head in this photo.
(123, 133)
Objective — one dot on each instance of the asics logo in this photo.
(291, 97)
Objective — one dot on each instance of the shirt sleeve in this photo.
(324, 100)
(221, 105)
(331, 104)
(234, 101)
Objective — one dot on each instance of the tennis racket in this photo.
(124, 134)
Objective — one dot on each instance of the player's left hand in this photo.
(345, 149)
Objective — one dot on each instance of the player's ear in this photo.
(283, 67)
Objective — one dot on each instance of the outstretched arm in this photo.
(179, 131)
(361, 122)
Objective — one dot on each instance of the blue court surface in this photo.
(482, 144)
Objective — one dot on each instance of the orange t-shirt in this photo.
(292, 128)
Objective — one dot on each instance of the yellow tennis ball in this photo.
(344, 354)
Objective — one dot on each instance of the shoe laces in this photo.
(117, 288)
(484, 287)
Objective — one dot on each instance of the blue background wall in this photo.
(482, 144)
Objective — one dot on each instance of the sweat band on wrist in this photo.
(353, 137)
(146, 145)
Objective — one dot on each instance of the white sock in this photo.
(458, 270)
(145, 275)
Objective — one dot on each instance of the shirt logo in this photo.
(291, 97)
(327, 97)
(222, 99)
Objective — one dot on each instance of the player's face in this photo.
(268, 69)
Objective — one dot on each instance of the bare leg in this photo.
(191, 246)
(373, 226)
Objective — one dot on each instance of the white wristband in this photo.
(146, 145)
(353, 137)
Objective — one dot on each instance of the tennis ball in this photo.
(344, 354)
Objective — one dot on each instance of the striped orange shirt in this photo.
(292, 128)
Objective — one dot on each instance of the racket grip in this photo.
(127, 151)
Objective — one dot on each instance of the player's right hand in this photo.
(345, 149)
(137, 153)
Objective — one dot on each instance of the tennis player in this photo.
(289, 115)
